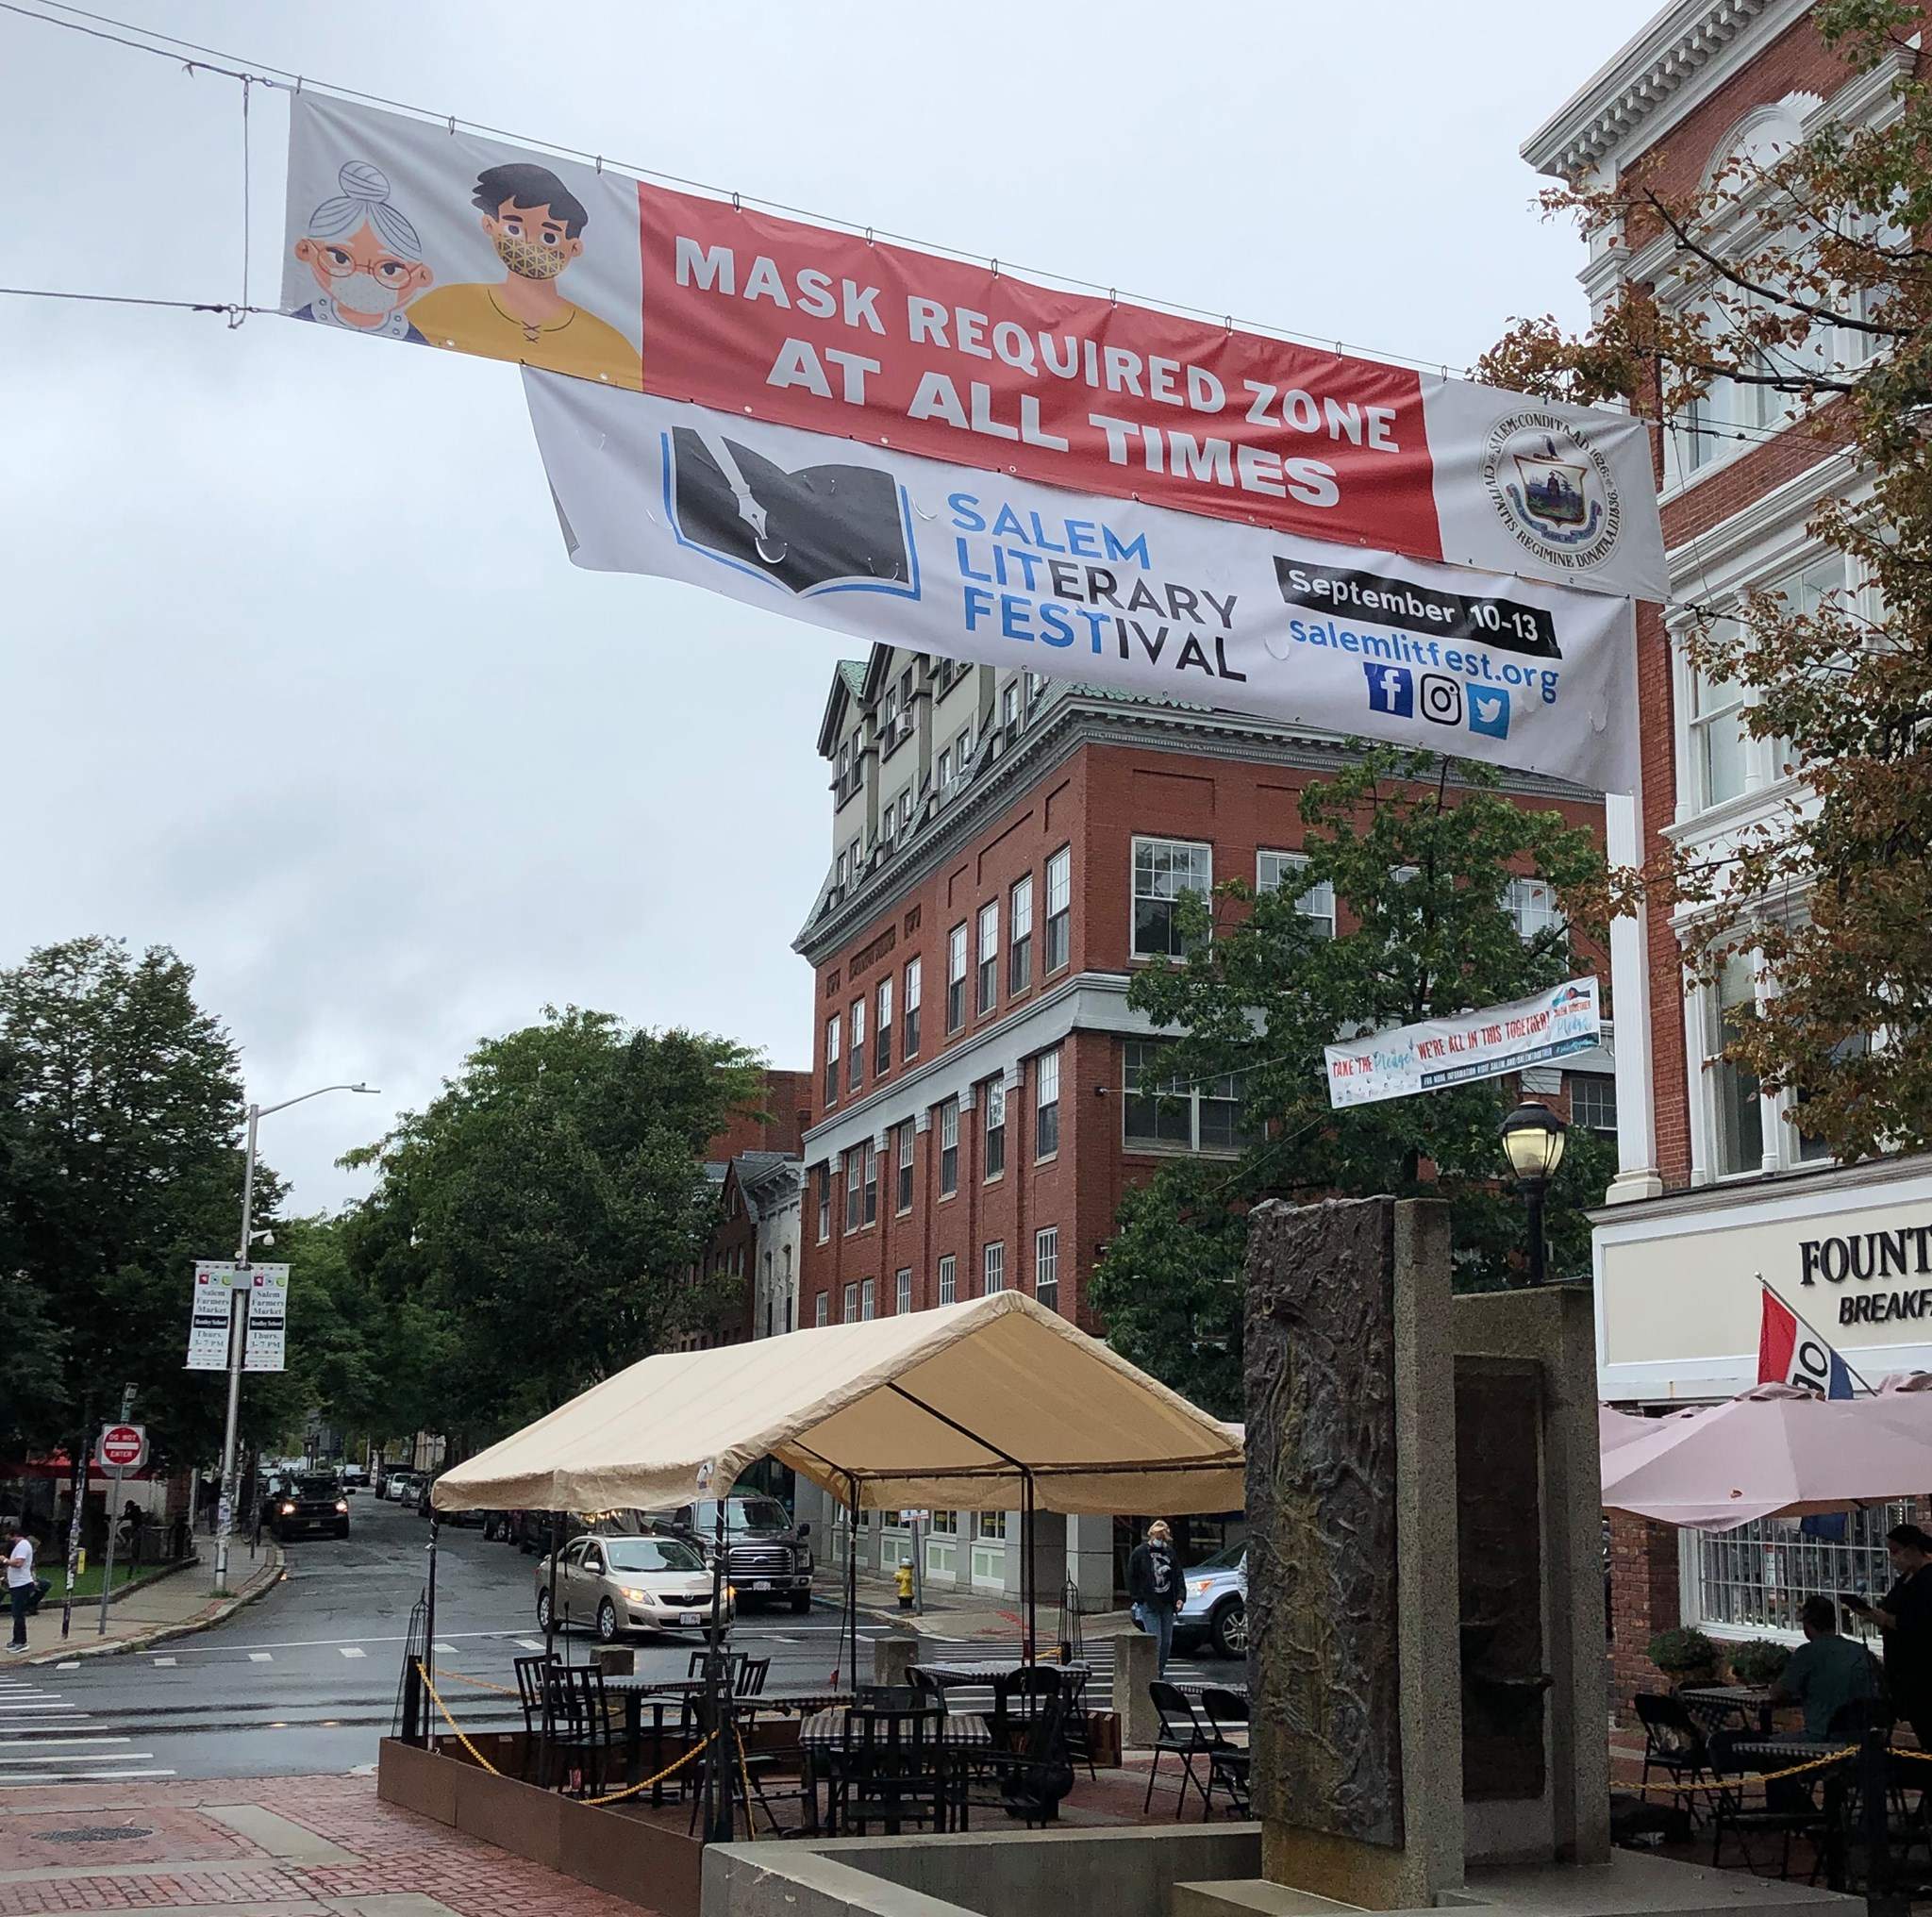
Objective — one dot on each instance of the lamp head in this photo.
(1533, 1138)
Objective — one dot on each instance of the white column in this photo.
(1636, 1174)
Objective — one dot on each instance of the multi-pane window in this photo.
(1060, 907)
(905, 811)
(949, 1147)
(832, 1060)
(882, 1029)
(1757, 1577)
(1717, 737)
(1009, 712)
(1046, 1266)
(1810, 1147)
(838, 872)
(855, 1075)
(943, 778)
(1278, 871)
(989, 989)
(993, 1158)
(855, 1181)
(851, 1312)
(1734, 1089)
(1166, 1113)
(871, 1183)
(1531, 904)
(906, 1166)
(993, 1269)
(867, 1301)
(1020, 937)
(912, 1011)
(993, 1525)
(902, 1291)
(819, 1306)
(824, 1201)
(845, 767)
(1164, 869)
(854, 857)
(1046, 1104)
(1593, 1102)
(956, 978)
(949, 1280)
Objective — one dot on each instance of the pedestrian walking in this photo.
(1904, 1615)
(20, 1579)
(1153, 1585)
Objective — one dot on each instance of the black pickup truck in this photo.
(766, 1555)
(305, 1504)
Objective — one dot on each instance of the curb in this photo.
(216, 1611)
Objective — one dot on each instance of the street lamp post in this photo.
(1533, 1138)
(238, 1330)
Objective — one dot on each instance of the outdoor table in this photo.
(1751, 1702)
(1776, 1754)
(636, 1692)
(824, 1732)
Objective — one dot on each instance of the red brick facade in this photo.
(778, 1129)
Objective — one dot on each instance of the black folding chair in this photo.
(1035, 1776)
(578, 1730)
(1673, 1743)
(530, 1695)
(1021, 1698)
(749, 1680)
(1081, 1741)
(1182, 1735)
(888, 1767)
(1226, 1712)
(1789, 1814)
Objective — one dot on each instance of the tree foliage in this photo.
(1805, 272)
(532, 1229)
(1418, 867)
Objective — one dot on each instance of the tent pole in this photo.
(852, 1576)
(717, 1769)
(1028, 1567)
(429, 1626)
(555, 1552)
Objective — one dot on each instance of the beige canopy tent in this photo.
(993, 1405)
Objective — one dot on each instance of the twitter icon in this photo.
(1488, 711)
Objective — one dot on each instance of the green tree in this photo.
(540, 1216)
(1805, 272)
(1419, 868)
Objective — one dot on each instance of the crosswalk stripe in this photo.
(531, 1643)
(165, 1663)
(352, 1651)
(41, 1744)
(82, 1758)
(73, 1665)
(261, 1657)
(448, 1650)
(77, 1778)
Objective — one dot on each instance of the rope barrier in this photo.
(1825, 1763)
(462, 1736)
(477, 1683)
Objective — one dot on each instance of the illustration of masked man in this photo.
(366, 258)
(536, 224)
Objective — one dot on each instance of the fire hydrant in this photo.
(902, 1580)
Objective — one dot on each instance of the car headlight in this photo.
(1201, 1587)
(637, 1597)
(731, 1594)
(343, 1505)
(288, 1511)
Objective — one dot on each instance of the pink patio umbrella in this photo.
(1773, 1452)
(1616, 1429)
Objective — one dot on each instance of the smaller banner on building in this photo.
(1475, 1044)
(1791, 1353)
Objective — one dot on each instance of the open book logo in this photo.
(821, 530)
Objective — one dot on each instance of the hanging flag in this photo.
(1791, 1353)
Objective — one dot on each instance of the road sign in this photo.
(122, 1447)
(216, 1282)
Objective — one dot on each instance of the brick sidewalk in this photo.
(304, 1847)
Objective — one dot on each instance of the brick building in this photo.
(1006, 852)
(1718, 1183)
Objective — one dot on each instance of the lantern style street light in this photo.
(1533, 1139)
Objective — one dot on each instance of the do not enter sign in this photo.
(123, 1447)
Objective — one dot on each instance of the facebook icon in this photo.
(1391, 689)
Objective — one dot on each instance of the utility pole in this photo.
(238, 1330)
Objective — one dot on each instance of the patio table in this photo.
(1714, 1703)
(824, 1732)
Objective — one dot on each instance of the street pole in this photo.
(1533, 1204)
(238, 1348)
(113, 1519)
(80, 1465)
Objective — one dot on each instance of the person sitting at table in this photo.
(1827, 1672)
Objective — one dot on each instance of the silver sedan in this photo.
(628, 1584)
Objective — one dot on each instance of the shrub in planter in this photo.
(1684, 1654)
(1760, 1661)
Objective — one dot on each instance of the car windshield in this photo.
(1224, 1560)
(315, 1487)
(651, 1554)
(744, 1514)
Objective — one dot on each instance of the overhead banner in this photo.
(1475, 1044)
(407, 229)
(887, 546)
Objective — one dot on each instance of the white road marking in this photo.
(318, 1644)
(530, 1643)
(82, 1758)
(73, 1665)
(164, 1663)
(354, 1651)
(77, 1778)
(261, 1657)
(439, 1645)
(18, 1709)
(43, 1744)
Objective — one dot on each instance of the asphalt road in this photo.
(305, 1680)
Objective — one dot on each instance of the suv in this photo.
(1214, 1604)
(766, 1555)
(308, 1503)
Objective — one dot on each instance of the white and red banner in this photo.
(405, 229)
(1791, 1353)
(887, 545)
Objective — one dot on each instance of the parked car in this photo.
(420, 1505)
(308, 1504)
(766, 1555)
(355, 1476)
(402, 1486)
(1214, 1608)
(627, 1584)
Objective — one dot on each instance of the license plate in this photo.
(761, 1584)
(687, 1617)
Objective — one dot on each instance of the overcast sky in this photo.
(295, 675)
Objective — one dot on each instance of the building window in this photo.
(788, 1314)
(852, 853)
(818, 1307)
(832, 1060)
(962, 752)
(855, 1075)
(1165, 1113)
(949, 1287)
(1757, 1577)
(824, 1201)
(1046, 1104)
(902, 1291)
(1046, 1266)
(944, 775)
(1717, 737)
(1593, 1102)
(838, 872)
(871, 1183)
(1531, 904)
(993, 1525)
(855, 1180)
(1276, 871)
(882, 1030)
(995, 1270)
(989, 956)
(1009, 712)
(1740, 1113)
(1164, 869)
(949, 1147)
(956, 978)
(913, 969)
(867, 1303)
(904, 811)
(851, 1316)
(905, 1133)
(993, 1158)
(1059, 907)
(1811, 1149)
(845, 767)
(1020, 938)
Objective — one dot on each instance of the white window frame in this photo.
(948, 1286)
(1191, 1098)
(1046, 1266)
(832, 1060)
(1059, 911)
(902, 1291)
(949, 1147)
(1157, 870)
(855, 1174)
(826, 1202)
(993, 1268)
(1531, 903)
(868, 1299)
(903, 1193)
(1317, 902)
(882, 1028)
(958, 965)
(871, 1183)
(1046, 1106)
(850, 1315)
(909, 1010)
(1019, 934)
(822, 1306)
(992, 1134)
(986, 976)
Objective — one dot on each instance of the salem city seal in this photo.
(1553, 490)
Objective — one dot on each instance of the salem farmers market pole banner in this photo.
(1473, 1044)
